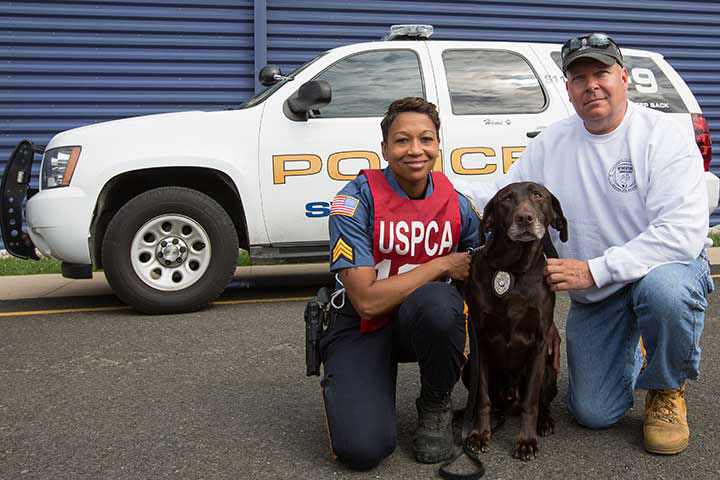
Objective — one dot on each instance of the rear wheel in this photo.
(170, 250)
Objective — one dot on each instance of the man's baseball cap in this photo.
(593, 45)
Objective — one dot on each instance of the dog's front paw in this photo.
(546, 426)
(526, 449)
(478, 442)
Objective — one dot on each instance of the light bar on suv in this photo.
(409, 32)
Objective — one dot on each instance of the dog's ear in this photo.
(559, 221)
(487, 224)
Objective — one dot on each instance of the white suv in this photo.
(163, 202)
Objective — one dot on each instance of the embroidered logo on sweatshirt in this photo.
(622, 176)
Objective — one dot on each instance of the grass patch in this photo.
(243, 258)
(715, 238)
(16, 266)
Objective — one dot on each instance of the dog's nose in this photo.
(524, 218)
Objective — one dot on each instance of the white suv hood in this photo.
(162, 129)
(203, 139)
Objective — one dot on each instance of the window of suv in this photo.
(484, 82)
(648, 85)
(364, 84)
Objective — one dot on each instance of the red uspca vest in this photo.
(408, 233)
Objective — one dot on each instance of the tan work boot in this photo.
(666, 428)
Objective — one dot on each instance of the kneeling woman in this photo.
(396, 236)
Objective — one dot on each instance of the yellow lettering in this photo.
(282, 163)
(508, 154)
(457, 166)
(335, 159)
(280, 172)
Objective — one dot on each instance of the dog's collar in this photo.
(472, 251)
(502, 282)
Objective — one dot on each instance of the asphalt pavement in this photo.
(92, 390)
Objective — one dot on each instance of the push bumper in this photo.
(15, 187)
(58, 220)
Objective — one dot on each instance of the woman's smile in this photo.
(411, 150)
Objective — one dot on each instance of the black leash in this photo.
(478, 468)
(474, 361)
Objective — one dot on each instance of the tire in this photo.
(170, 250)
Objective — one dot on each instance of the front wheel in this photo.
(170, 250)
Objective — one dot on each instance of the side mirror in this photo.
(311, 95)
(270, 75)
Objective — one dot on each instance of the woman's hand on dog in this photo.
(457, 265)
(568, 274)
(373, 297)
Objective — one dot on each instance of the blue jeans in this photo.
(666, 307)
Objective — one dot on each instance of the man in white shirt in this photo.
(630, 185)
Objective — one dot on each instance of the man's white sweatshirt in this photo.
(634, 198)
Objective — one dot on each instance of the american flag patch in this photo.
(344, 205)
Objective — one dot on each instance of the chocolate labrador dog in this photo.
(511, 308)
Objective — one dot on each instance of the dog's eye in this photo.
(537, 195)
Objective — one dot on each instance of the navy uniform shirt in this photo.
(351, 234)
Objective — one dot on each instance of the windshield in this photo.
(262, 96)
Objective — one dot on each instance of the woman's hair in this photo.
(409, 104)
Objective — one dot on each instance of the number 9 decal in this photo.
(644, 80)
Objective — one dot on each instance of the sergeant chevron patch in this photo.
(342, 249)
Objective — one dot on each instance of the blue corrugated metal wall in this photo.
(69, 63)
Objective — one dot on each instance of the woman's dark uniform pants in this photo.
(360, 369)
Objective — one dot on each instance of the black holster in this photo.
(317, 318)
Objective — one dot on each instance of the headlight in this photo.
(58, 166)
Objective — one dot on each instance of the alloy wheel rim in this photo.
(170, 252)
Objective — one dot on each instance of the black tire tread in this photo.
(137, 294)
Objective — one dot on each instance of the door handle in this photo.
(535, 133)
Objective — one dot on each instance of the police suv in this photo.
(162, 202)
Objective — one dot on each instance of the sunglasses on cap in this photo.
(593, 40)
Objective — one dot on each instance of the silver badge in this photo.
(502, 281)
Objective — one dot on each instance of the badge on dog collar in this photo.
(502, 281)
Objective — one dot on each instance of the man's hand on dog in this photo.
(568, 274)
